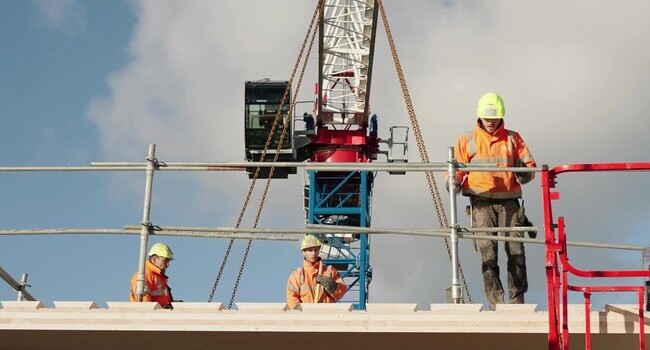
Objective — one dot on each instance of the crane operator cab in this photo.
(262, 101)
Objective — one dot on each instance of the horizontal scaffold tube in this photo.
(242, 166)
(157, 231)
(283, 234)
(463, 233)
(417, 167)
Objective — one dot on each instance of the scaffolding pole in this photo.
(201, 232)
(146, 223)
(19, 287)
(456, 292)
(145, 229)
(241, 166)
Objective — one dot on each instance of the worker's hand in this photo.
(523, 177)
(527, 223)
(523, 221)
(327, 282)
(532, 234)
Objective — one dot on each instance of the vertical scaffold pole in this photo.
(21, 290)
(453, 236)
(645, 261)
(364, 254)
(146, 223)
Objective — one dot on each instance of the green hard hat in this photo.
(162, 250)
(490, 106)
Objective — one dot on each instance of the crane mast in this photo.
(344, 133)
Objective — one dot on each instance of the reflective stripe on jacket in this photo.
(302, 282)
(155, 286)
(506, 148)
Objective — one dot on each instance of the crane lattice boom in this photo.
(347, 45)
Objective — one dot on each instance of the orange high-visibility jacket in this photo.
(302, 283)
(155, 286)
(506, 148)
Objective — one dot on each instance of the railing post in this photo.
(21, 288)
(645, 266)
(456, 292)
(146, 223)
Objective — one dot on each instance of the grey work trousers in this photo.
(500, 213)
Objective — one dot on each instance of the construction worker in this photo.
(314, 282)
(494, 196)
(155, 280)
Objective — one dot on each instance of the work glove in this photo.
(327, 282)
(523, 177)
(524, 221)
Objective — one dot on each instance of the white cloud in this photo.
(574, 78)
(65, 15)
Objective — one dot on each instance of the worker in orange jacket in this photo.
(156, 288)
(494, 196)
(314, 282)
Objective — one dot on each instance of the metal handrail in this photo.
(152, 165)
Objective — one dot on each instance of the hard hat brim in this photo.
(490, 117)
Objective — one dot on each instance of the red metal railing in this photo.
(557, 262)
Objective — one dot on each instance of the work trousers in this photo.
(500, 213)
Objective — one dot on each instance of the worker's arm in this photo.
(524, 158)
(462, 156)
(132, 296)
(293, 291)
(134, 283)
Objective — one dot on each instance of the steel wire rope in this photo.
(433, 187)
(262, 157)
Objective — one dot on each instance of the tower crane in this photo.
(343, 130)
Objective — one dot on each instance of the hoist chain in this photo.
(287, 122)
(433, 187)
(262, 157)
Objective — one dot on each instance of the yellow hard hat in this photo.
(310, 241)
(490, 106)
(162, 250)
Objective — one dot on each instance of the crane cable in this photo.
(312, 29)
(433, 187)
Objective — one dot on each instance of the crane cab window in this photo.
(262, 101)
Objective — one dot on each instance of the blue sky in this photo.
(57, 66)
(84, 81)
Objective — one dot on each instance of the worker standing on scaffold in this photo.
(156, 288)
(494, 196)
(314, 282)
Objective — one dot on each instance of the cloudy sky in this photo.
(84, 81)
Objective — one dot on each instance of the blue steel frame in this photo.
(342, 198)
